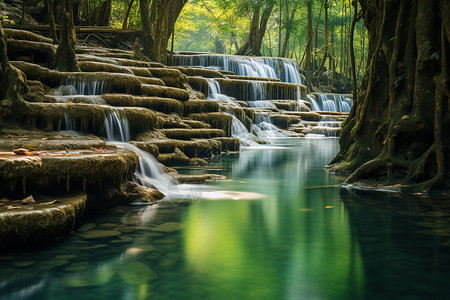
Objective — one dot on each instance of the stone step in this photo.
(187, 134)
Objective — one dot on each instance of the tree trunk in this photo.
(147, 39)
(284, 50)
(395, 133)
(51, 21)
(258, 26)
(325, 41)
(127, 15)
(309, 37)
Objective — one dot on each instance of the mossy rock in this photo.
(165, 92)
(25, 228)
(228, 143)
(90, 66)
(164, 105)
(18, 34)
(62, 172)
(216, 120)
(199, 83)
(86, 117)
(196, 124)
(37, 52)
(200, 106)
(175, 158)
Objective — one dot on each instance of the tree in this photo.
(158, 23)
(395, 131)
(261, 12)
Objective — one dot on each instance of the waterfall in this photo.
(257, 90)
(291, 73)
(315, 105)
(261, 104)
(267, 130)
(286, 70)
(214, 92)
(68, 123)
(116, 127)
(240, 132)
(84, 87)
(332, 102)
(149, 172)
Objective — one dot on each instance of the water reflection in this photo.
(306, 239)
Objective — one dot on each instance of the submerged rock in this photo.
(168, 227)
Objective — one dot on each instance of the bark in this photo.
(65, 54)
(395, 133)
(12, 86)
(127, 15)
(258, 26)
(284, 50)
(52, 22)
(309, 38)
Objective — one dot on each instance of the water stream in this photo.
(286, 232)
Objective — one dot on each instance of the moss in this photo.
(25, 35)
(243, 89)
(175, 158)
(187, 134)
(216, 120)
(62, 173)
(164, 105)
(191, 148)
(205, 73)
(290, 105)
(144, 72)
(200, 106)
(151, 80)
(87, 117)
(196, 124)
(37, 52)
(90, 66)
(178, 133)
(199, 83)
(239, 77)
(307, 116)
(229, 143)
(166, 92)
(23, 228)
(284, 121)
(35, 92)
(171, 77)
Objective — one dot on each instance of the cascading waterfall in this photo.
(68, 123)
(332, 102)
(240, 132)
(116, 127)
(270, 67)
(85, 87)
(149, 172)
(315, 105)
(214, 92)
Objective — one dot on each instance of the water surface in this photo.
(299, 236)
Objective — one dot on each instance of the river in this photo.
(278, 228)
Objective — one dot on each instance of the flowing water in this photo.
(282, 230)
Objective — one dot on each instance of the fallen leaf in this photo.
(99, 148)
(405, 117)
(28, 200)
(329, 206)
(69, 102)
(45, 138)
(12, 207)
(22, 151)
(48, 203)
(374, 185)
(305, 209)
(368, 148)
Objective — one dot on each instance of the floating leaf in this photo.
(22, 151)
